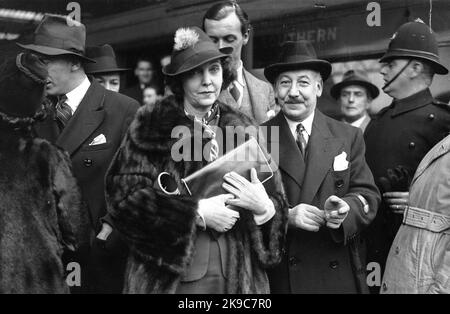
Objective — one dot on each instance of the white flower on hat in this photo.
(185, 38)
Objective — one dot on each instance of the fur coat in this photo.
(161, 229)
(39, 211)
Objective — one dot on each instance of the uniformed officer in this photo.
(401, 134)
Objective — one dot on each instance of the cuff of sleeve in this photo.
(261, 219)
(107, 219)
(200, 221)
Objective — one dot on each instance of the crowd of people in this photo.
(82, 166)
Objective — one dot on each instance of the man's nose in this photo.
(294, 91)
(222, 44)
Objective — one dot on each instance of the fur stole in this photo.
(160, 228)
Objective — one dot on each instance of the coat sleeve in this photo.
(72, 219)
(362, 184)
(159, 228)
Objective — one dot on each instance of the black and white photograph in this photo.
(226, 152)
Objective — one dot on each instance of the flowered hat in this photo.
(193, 48)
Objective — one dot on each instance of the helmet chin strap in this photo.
(397, 75)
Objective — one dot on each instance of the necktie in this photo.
(301, 141)
(234, 91)
(63, 112)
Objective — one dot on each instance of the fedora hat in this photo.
(295, 56)
(192, 48)
(59, 35)
(355, 77)
(415, 40)
(105, 60)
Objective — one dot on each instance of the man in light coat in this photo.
(419, 259)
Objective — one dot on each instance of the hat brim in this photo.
(323, 67)
(50, 51)
(198, 60)
(111, 70)
(438, 68)
(372, 89)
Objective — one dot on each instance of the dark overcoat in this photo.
(327, 261)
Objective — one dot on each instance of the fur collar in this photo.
(151, 130)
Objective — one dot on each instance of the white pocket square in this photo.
(340, 162)
(101, 139)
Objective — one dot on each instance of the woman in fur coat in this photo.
(180, 243)
(39, 207)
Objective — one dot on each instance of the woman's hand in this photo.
(249, 195)
(397, 201)
(216, 215)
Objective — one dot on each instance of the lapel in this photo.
(322, 148)
(290, 158)
(437, 151)
(254, 88)
(226, 98)
(88, 116)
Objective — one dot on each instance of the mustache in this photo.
(293, 101)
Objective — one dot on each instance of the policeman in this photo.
(401, 134)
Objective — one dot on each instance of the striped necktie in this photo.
(63, 112)
(301, 141)
(234, 91)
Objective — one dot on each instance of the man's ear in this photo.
(319, 87)
(76, 65)
(246, 37)
(417, 68)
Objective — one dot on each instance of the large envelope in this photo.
(207, 182)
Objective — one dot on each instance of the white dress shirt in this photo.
(358, 122)
(307, 124)
(75, 96)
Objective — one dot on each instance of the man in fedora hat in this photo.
(401, 134)
(354, 95)
(329, 186)
(86, 120)
(228, 26)
(105, 69)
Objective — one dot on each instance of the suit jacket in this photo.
(328, 261)
(100, 112)
(261, 97)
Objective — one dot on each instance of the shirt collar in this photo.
(358, 122)
(75, 96)
(307, 124)
(412, 102)
(240, 74)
